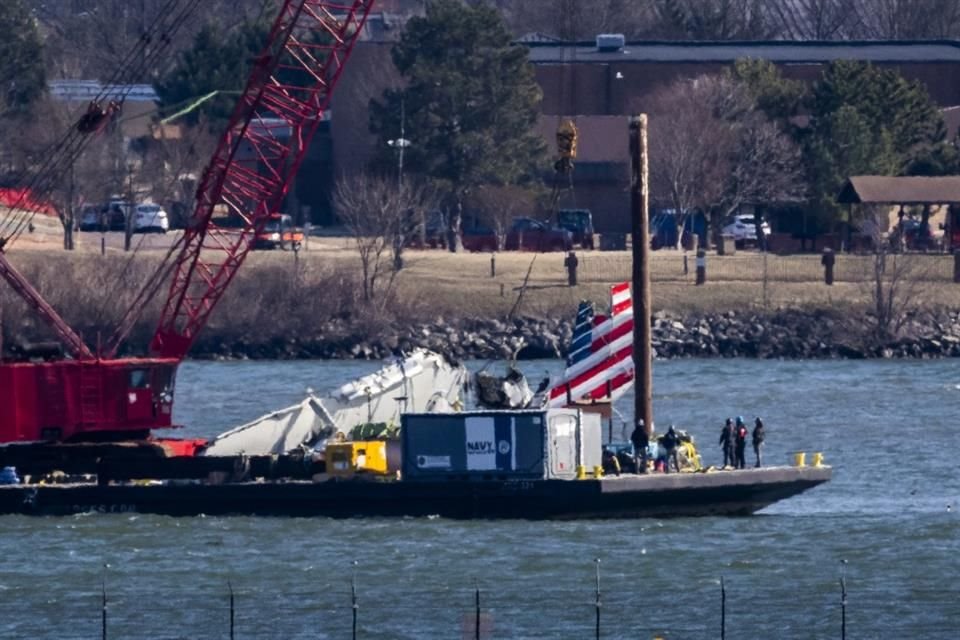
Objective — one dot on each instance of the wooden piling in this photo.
(597, 561)
(639, 206)
(476, 628)
(353, 599)
(232, 610)
(103, 609)
(723, 610)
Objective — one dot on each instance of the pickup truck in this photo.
(279, 233)
(579, 222)
(526, 234)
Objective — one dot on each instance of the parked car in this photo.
(579, 222)
(479, 239)
(117, 211)
(743, 228)
(279, 233)
(93, 218)
(150, 218)
(526, 234)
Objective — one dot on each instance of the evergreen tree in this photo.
(216, 62)
(470, 102)
(22, 76)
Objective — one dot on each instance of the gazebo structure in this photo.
(930, 194)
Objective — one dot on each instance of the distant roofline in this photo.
(782, 52)
(751, 43)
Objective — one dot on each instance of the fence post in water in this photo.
(230, 587)
(103, 618)
(843, 601)
(476, 628)
(597, 560)
(723, 610)
(493, 265)
(353, 598)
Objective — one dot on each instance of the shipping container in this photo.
(500, 445)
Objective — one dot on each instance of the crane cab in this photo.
(75, 401)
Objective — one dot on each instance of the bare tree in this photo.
(578, 20)
(92, 38)
(815, 19)
(712, 149)
(895, 281)
(497, 206)
(688, 150)
(381, 216)
(908, 19)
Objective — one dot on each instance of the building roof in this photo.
(781, 52)
(900, 190)
(86, 90)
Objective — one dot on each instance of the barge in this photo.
(655, 495)
(532, 464)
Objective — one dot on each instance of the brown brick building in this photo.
(601, 87)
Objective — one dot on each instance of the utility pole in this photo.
(639, 208)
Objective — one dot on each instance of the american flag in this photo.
(600, 364)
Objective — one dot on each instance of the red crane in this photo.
(96, 396)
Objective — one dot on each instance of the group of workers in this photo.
(733, 442)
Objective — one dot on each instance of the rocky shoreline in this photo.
(784, 333)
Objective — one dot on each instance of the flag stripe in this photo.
(600, 361)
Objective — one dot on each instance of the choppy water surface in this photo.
(889, 429)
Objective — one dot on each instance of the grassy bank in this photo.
(276, 297)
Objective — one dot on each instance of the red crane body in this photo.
(96, 396)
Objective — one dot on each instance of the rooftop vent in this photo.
(609, 42)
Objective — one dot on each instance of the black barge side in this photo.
(628, 496)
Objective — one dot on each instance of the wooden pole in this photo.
(843, 600)
(232, 610)
(353, 598)
(639, 206)
(103, 609)
(597, 561)
(476, 623)
(723, 610)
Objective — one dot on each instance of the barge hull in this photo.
(655, 495)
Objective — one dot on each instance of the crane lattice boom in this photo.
(98, 397)
(287, 93)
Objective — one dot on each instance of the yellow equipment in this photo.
(346, 459)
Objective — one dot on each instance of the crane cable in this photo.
(51, 154)
(58, 159)
(78, 140)
(162, 272)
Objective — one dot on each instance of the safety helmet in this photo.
(739, 420)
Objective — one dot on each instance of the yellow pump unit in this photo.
(346, 459)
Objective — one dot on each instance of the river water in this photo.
(891, 512)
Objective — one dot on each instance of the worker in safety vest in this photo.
(741, 444)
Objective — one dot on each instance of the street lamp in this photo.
(400, 143)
